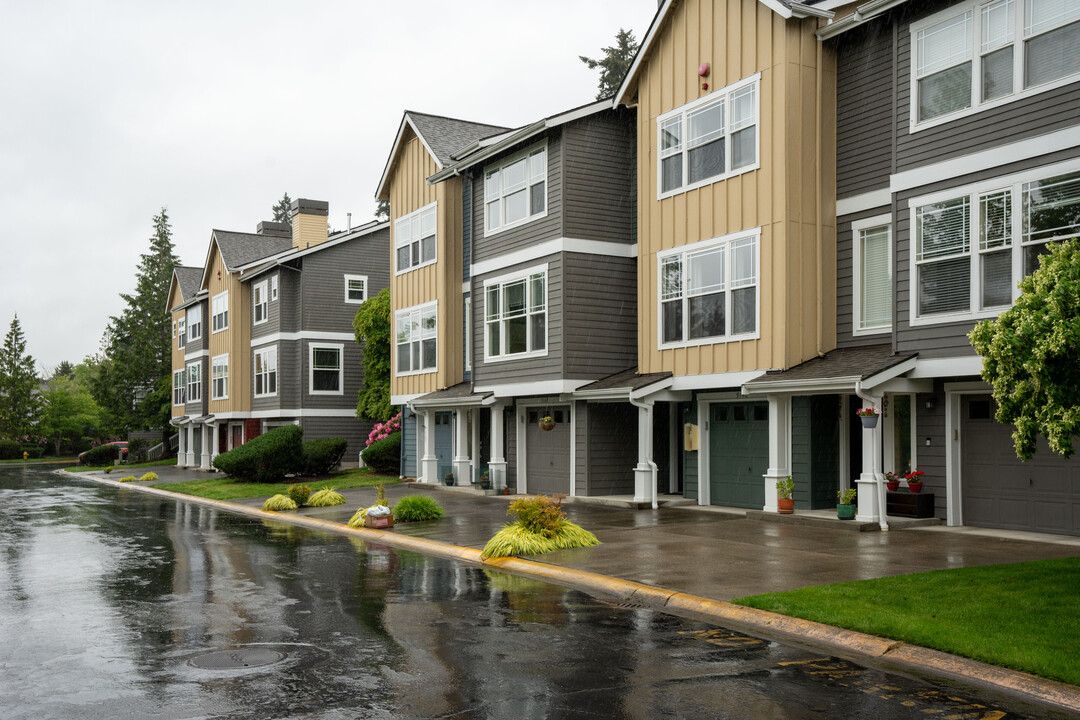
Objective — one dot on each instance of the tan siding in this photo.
(235, 341)
(309, 229)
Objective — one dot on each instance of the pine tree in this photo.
(615, 63)
(19, 401)
(281, 210)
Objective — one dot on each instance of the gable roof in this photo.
(238, 249)
(862, 13)
(440, 136)
(784, 8)
(187, 280)
(269, 262)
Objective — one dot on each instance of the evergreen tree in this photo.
(615, 63)
(281, 210)
(19, 401)
(64, 369)
(372, 326)
(382, 210)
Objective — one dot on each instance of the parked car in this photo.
(123, 450)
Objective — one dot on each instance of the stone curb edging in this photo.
(850, 642)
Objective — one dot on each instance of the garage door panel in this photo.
(548, 452)
(738, 453)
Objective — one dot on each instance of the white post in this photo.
(779, 442)
(207, 438)
(867, 483)
(181, 461)
(644, 471)
(461, 455)
(497, 464)
(429, 462)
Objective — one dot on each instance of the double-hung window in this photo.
(414, 238)
(181, 334)
(265, 366)
(355, 289)
(179, 383)
(273, 287)
(709, 290)
(219, 377)
(872, 277)
(194, 381)
(260, 304)
(219, 308)
(515, 314)
(194, 322)
(991, 51)
(325, 369)
(416, 339)
(515, 190)
(709, 139)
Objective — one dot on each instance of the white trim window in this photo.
(872, 275)
(179, 383)
(973, 244)
(468, 332)
(416, 339)
(710, 139)
(219, 377)
(219, 311)
(181, 334)
(515, 189)
(194, 382)
(355, 289)
(273, 288)
(260, 305)
(414, 239)
(709, 291)
(515, 315)
(265, 368)
(194, 322)
(325, 369)
(986, 52)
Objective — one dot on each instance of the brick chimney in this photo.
(309, 222)
(274, 229)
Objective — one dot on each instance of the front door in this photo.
(738, 453)
(237, 438)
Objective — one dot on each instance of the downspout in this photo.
(879, 479)
(821, 319)
(648, 407)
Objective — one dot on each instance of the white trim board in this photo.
(552, 247)
(303, 335)
(528, 389)
(872, 200)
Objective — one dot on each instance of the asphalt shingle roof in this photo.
(446, 135)
(858, 362)
(189, 279)
(630, 379)
(242, 248)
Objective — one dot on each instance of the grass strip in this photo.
(225, 488)
(1024, 616)
(121, 466)
(30, 461)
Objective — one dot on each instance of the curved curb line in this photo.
(1014, 682)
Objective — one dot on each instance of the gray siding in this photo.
(352, 376)
(612, 448)
(273, 307)
(690, 457)
(581, 448)
(845, 270)
(930, 423)
(323, 306)
(352, 429)
(815, 438)
(288, 380)
(408, 442)
(599, 315)
(600, 177)
(288, 302)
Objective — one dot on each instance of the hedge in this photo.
(384, 455)
(101, 455)
(10, 450)
(266, 458)
(323, 455)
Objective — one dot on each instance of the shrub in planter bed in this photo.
(101, 455)
(384, 456)
(10, 450)
(541, 527)
(266, 458)
(323, 455)
(127, 478)
(326, 498)
(299, 494)
(148, 477)
(279, 503)
(416, 508)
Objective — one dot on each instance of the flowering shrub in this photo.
(381, 431)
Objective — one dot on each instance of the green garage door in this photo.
(738, 453)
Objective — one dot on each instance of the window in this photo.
(990, 51)
(219, 378)
(194, 322)
(273, 288)
(971, 249)
(181, 334)
(179, 381)
(194, 382)
(872, 279)
(416, 339)
(515, 191)
(414, 239)
(468, 332)
(708, 290)
(325, 376)
(515, 314)
(266, 372)
(260, 306)
(219, 308)
(709, 139)
(355, 289)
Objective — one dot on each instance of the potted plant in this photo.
(448, 479)
(892, 481)
(868, 416)
(379, 515)
(485, 481)
(785, 504)
(845, 510)
(915, 481)
(547, 423)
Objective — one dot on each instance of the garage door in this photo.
(738, 453)
(547, 452)
(999, 491)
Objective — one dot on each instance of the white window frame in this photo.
(684, 251)
(219, 308)
(179, 396)
(496, 193)
(1019, 37)
(1013, 183)
(364, 292)
(724, 95)
(340, 349)
(219, 371)
(181, 333)
(260, 299)
(501, 282)
(416, 314)
(468, 332)
(401, 241)
(194, 382)
(273, 288)
(267, 356)
(858, 227)
(194, 323)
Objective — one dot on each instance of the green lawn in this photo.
(122, 466)
(1024, 616)
(226, 488)
(41, 460)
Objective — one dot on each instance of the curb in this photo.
(791, 629)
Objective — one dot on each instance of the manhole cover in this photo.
(237, 659)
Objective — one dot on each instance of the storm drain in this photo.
(237, 659)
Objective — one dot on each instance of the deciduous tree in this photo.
(68, 412)
(372, 326)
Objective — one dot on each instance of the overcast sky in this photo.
(113, 110)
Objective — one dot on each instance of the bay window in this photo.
(515, 314)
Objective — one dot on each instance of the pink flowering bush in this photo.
(381, 431)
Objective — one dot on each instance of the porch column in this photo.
(497, 465)
(461, 453)
(429, 462)
(645, 470)
(181, 461)
(779, 443)
(866, 484)
(207, 431)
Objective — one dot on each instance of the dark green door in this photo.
(738, 453)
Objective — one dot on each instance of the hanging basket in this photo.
(546, 425)
(869, 421)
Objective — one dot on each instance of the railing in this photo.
(158, 451)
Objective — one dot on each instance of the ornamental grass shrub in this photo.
(101, 455)
(279, 503)
(299, 494)
(267, 458)
(326, 498)
(357, 520)
(417, 508)
(322, 455)
(541, 527)
(384, 456)
(147, 477)
(127, 478)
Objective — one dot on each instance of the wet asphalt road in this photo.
(113, 605)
